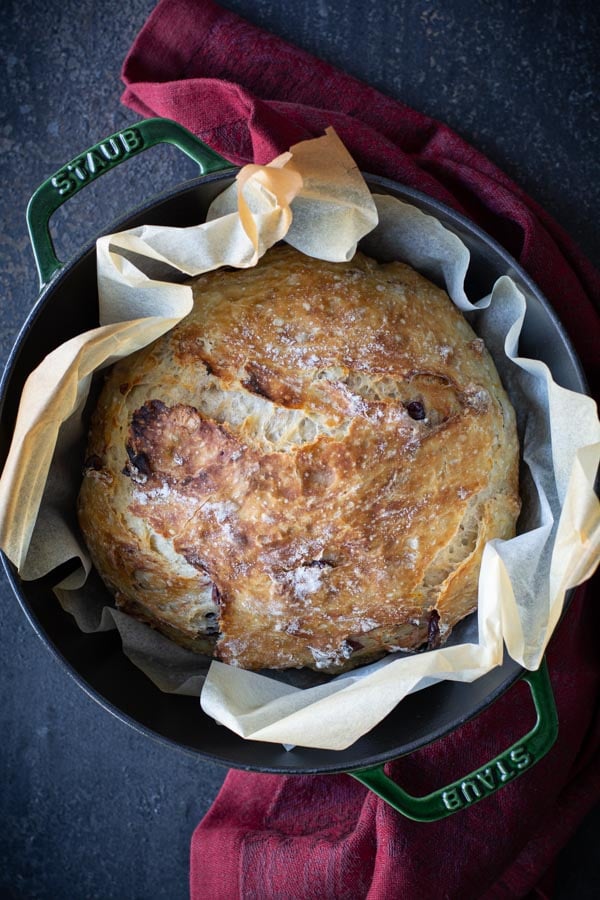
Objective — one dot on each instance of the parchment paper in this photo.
(315, 199)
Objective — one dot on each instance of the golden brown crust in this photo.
(316, 455)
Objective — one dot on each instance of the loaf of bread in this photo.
(305, 471)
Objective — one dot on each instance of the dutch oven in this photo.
(67, 306)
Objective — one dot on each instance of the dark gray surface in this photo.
(90, 808)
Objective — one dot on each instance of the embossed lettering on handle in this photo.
(96, 160)
(486, 781)
(483, 781)
(93, 163)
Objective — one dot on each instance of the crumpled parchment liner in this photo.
(314, 198)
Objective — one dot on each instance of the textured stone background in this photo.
(88, 807)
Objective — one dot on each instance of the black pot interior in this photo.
(68, 306)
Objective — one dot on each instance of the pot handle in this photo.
(94, 162)
(483, 781)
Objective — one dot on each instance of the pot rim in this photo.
(513, 671)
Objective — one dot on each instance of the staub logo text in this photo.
(486, 781)
(102, 156)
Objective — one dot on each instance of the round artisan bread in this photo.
(305, 471)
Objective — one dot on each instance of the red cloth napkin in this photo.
(299, 837)
(250, 95)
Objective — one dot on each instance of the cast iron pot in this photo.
(67, 306)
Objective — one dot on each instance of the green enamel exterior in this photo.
(484, 781)
(103, 157)
(96, 161)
